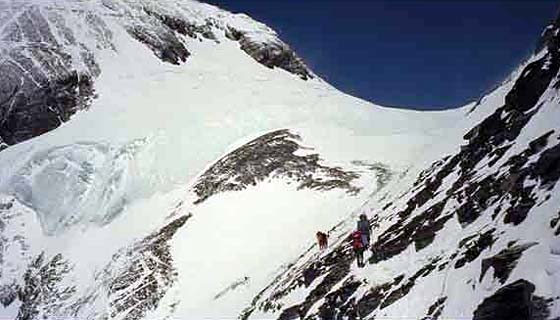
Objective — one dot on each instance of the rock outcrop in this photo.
(273, 155)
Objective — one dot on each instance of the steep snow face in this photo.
(168, 159)
(473, 236)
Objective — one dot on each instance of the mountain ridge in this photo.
(334, 295)
(192, 186)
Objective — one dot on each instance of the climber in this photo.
(365, 230)
(322, 240)
(358, 247)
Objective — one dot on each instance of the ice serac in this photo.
(77, 183)
(199, 156)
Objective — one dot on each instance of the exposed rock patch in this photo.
(138, 277)
(435, 310)
(471, 247)
(184, 27)
(271, 54)
(41, 86)
(373, 297)
(504, 262)
(337, 271)
(555, 223)
(165, 45)
(405, 288)
(30, 113)
(335, 266)
(336, 302)
(547, 167)
(515, 301)
(272, 155)
(41, 294)
(420, 231)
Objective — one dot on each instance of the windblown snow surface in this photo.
(170, 160)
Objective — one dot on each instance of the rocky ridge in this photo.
(482, 191)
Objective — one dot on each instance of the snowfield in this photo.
(191, 156)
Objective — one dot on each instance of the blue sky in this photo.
(414, 54)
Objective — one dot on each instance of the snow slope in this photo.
(171, 160)
(473, 236)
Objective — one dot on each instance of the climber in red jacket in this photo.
(358, 246)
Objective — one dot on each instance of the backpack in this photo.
(357, 240)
